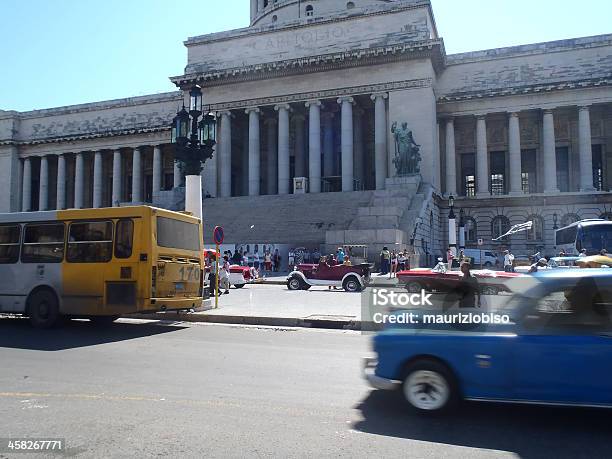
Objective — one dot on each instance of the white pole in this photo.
(452, 236)
(193, 195)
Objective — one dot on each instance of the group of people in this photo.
(391, 261)
(268, 262)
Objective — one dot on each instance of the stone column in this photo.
(358, 163)
(273, 156)
(136, 177)
(284, 173)
(347, 142)
(380, 139)
(328, 143)
(26, 205)
(260, 5)
(314, 146)
(300, 159)
(585, 149)
(254, 151)
(61, 182)
(482, 157)
(157, 170)
(79, 180)
(43, 195)
(253, 9)
(225, 155)
(514, 147)
(451, 167)
(550, 153)
(97, 180)
(178, 176)
(116, 178)
(245, 163)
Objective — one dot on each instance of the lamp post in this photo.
(461, 230)
(555, 217)
(452, 228)
(193, 140)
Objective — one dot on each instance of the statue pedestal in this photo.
(405, 183)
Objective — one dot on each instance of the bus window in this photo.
(90, 242)
(177, 234)
(43, 243)
(124, 236)
(9, 244)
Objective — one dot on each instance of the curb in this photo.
(329, 324)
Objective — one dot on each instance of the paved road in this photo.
(214, 391)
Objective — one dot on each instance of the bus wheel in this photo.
(103, 321)
(43, 309)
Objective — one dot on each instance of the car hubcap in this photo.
(426, 390)
(352, 286)
(294, 284)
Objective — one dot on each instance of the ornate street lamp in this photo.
(193, 140)
(461, 230)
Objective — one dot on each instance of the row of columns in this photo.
(79, 179)
(278, 154)
(514, 153)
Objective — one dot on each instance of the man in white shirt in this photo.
(508, 261)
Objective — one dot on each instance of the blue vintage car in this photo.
(554, 348)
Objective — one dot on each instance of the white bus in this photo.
(592, 235)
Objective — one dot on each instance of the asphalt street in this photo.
(144, 389)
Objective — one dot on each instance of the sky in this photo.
(64, 52)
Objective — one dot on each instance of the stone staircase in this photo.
(387, 220)
(297, 220)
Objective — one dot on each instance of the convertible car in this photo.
(594, 261)
(555, 348)
(352, 278)
(441, 280)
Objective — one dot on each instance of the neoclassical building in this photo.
(314, 102)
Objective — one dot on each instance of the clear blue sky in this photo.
(63, 52)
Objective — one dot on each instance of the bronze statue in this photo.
(407, 156)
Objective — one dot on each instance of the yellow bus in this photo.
(99, 263)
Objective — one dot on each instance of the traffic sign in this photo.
(218, 235)
(480, 241)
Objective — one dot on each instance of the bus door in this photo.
(89, 252)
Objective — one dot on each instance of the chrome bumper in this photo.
(377, 382)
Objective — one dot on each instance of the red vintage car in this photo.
(352, 278)
(440, 280)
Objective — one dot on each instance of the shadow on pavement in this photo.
(17, 333)
(527, 430)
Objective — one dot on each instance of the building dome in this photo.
(268, 12)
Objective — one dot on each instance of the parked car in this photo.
(352, 278)
(239, 275)
(595, 261)
(439, 279)
(486, 258)
(563, 262)
(556, 348)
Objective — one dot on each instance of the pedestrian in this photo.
(562, 253)
(268, 262)
(603, 252)
(468, 288)
(583, 253)
(224, 274)
(401, 261)
(276, 259)
(450, 256)
(508, 261)
(393, 264)
(385, 261)
(256, 260)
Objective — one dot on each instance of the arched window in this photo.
(568, 219)
(309, 10)
(536, 233)
(606, 216)
(471, 234)
(274, 18)
(350, 5)
(499, 225)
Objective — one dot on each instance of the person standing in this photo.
(340, 255)
(508, 261)
(385, 260)
(268, 262)
(256, 260)
(224, 274)
(450, 256)
(393, 264)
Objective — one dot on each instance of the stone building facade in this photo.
(317, 89)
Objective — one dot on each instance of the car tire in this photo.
(488, 265)
(295, 283)
(414, 287)
(239, 285)
(351, 284)
(487, 290)
(43, 309)
(429, 387)
(103, 321)
(305, 286)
